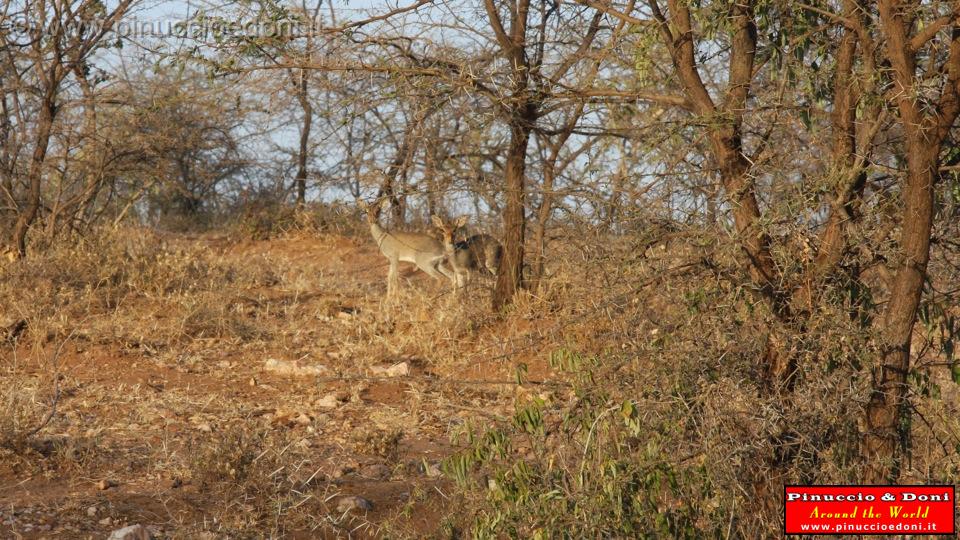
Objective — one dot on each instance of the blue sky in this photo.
(162, 10)
(162, 15)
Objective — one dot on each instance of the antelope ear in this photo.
(461, 221)
(385, 203)
(437, 222)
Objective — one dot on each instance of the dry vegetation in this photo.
(140, 358)
(615, 400)
(728, 261)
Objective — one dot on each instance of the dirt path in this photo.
(267, 410)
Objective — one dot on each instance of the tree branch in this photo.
(505, 42)
(928, 33)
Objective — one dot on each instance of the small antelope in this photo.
(420, 249)
(478, 253)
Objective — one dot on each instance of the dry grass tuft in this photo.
(22, 410)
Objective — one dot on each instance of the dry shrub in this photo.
(378, 442)
(226, 460)
(264, 480)
(666, 427)
(266, 219)
(237, 465)
(22, 409)
(27, 406)
(425, 320)
(126, 285)
(209, 317)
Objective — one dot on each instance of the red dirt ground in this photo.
(139, 412)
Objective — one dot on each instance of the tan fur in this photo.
(423, 250)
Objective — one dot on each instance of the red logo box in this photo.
(873, 510)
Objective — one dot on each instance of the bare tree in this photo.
(60, 42)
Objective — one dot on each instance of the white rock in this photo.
(133, 532)
(328, 401)
(282, 367)
(397, 370)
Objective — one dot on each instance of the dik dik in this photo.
(420, 249)
(478, 253)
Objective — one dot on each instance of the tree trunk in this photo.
(35, 175)
(887, 403)
(432, 151)
(540, 229)
(395, 173)
(924, 135)
(91, 169)
(8, 202)
(726, 121)
(616, 191)
(510, 274)
(307, 108)
(523, 115)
